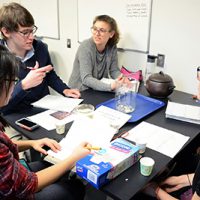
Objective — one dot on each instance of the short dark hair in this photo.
(13, 15)
(113, 25)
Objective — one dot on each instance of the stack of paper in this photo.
(83, 129)
(114, 118)
(183, 112)
(159, 139)
(97, 129)
(58, 103)
(49, 118)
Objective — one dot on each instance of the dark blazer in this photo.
(22, 99)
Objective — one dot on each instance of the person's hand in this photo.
(114, 85)
(81, 151)
(39, 144)
(127, 81)
(72, 93)
(175, 183)
(35, 76)
(117, 83)
(120, 81)
(124, 80)
(162, 194)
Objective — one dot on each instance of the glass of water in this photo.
(125, 97)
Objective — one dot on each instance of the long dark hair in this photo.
(9, 66)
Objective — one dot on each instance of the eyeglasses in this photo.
(26, 33)
(12, 80)
(100, 31)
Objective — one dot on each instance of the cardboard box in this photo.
(101, 166)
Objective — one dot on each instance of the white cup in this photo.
(135, 85)
(146, 166)
(60, 127)
(125, 97)
(142, 145)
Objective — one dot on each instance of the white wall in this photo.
(175, 32)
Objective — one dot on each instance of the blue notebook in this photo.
(144, 106)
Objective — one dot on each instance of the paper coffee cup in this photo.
(60, 127)
(146, 166)
(141, 145)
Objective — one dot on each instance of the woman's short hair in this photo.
(113, 27)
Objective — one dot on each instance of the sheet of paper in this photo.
(113, 117)
(48, 119)
(159, 139)
(183, 112)
(84, 129)
(58, 103)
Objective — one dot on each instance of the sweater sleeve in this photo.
(114, 69)
(86, 60)
(55, 82)
(16, 180)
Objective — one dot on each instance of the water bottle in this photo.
(150, 67)
(198, 78)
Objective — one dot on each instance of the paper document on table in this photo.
(49, 118)
(183, 112)
(59, 103)
(115, 118)
(83, 129)
(159, 139)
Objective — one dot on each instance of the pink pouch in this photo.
(132, 75)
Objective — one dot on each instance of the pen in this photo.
(93, 148)
(121, 77)
(118, 135)
(31, 68)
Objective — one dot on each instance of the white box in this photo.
(101, 166)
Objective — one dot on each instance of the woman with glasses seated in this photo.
(96, 58)
(36, 72)
(18, 182)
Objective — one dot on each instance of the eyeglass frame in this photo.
(12, 80)
(26, 34)
(100, 31)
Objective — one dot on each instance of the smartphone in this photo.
(27, 124)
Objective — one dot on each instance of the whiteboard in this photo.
(132, 16)
(46, 16)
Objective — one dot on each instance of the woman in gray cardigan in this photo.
(96, 58)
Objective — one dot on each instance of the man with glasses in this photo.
(97, 58)
(36, 72)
